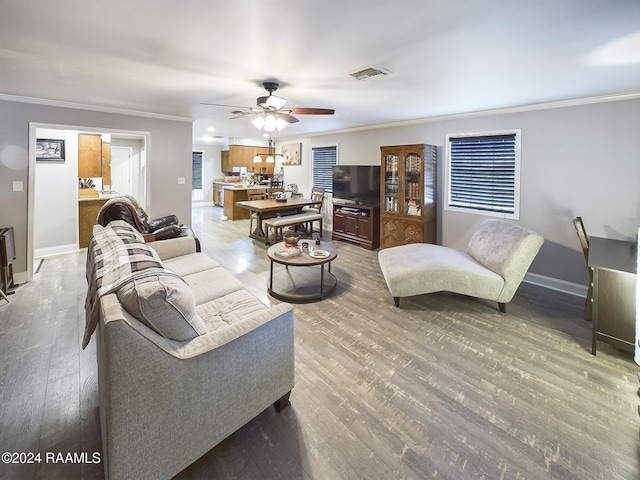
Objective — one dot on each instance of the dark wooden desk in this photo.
(272, 208)
(614, 264)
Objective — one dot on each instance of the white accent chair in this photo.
(492, 267)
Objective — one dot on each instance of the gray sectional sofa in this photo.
(186, 355)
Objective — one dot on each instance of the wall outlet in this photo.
(181, 181)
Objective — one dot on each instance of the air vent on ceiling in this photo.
(369, 73)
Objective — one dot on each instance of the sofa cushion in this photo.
(190, 264)
(165, 304)
(211, 284)
(228, 310)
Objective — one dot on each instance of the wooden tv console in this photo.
(357, 223)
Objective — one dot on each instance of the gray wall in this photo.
(168, 155)
(576, 160)
(211, 164)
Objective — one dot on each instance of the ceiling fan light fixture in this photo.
(270, 123)
(280, 123)
(258, 122)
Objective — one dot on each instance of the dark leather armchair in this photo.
(127, 208)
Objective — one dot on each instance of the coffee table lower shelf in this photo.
(301, 284)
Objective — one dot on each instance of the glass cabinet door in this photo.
(391, 185)
(412, 201)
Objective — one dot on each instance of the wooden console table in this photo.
(357, 223)
(614, 264)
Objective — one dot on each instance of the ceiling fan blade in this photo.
(288, 118)
(240, 115)
(312, 111)
(222, 105)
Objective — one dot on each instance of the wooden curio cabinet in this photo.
(407, 195)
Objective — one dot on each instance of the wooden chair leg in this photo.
(4, 296)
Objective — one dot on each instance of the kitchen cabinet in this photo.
(242, 156)
(224, 161)
(408, 195)
(106, 164)
(89, 155)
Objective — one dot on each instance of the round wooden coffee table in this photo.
(298, 285)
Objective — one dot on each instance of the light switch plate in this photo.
(18, 186)
(181, 181)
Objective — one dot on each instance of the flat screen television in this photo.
(357, 183)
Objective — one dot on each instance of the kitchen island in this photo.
(232, 195)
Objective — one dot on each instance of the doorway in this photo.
(63, 184)
(121, 170)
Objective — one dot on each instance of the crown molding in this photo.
(483, 113)
(93, 108)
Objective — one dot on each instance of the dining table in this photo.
(269, 208)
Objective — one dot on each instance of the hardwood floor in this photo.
(443, 387)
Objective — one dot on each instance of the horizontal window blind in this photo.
(324, 158)
(196, 170)
(482, 173)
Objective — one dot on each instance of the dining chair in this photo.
(317, 195)
(584, 243)
(273, 191)
(255, 195)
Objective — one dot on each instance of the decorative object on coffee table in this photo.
(291, 239)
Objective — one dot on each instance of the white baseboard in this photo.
(57, 250)
(19, 278)
(557, 284)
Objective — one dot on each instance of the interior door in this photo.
(121, 170)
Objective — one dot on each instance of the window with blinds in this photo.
(196, 170)
(323, 159)
(483, 174)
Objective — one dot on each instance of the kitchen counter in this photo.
(88, 194)
(252, 187)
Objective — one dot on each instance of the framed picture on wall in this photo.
(291, 153)
(49, 150)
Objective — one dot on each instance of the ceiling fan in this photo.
(269, 111)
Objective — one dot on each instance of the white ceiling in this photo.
(446, 56)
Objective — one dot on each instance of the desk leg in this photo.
(594, 313)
